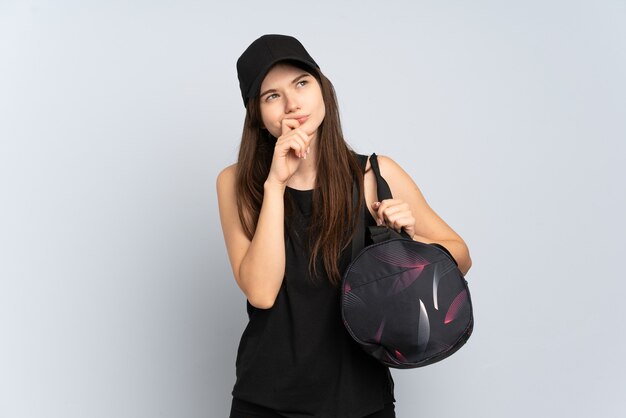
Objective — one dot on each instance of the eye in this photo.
(271, 97)
(302, 83)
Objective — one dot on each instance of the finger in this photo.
(399, 222)
(397, 210)
(393, 204)
(294, 139)
(306, 140)
(391, 209)
(288, 125)
(309, 130)
(381, 208)
(296, 142)
(379, 212)
(305, 135)
(296, 132)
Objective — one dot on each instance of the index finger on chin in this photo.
(288, 125)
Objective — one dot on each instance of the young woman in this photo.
(287, 218)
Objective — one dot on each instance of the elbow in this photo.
(459, 254)
(467, 263)
(467, 266)
(258, 296)
(261, 291)
(261, 302)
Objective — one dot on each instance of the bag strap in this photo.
(358, 240)
(377, 233)
(382, 188)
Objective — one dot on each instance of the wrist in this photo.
(274, 185)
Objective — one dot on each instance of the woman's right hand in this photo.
(291, 147)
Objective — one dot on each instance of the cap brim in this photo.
(253, 91)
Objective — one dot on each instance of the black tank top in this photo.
(297, 357)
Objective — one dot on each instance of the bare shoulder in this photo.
(386, 164)
(226, 177)
(234, 236)
(389, 166)
(225, 183)
(400, 182)
(227, 196)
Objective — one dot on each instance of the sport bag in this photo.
(404, 302)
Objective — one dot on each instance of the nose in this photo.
(291, 103)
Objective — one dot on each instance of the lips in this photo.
(302, 119)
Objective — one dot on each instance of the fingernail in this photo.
(376, 204)
(379, 221)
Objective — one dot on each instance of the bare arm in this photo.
(258, 265)
(428, 226)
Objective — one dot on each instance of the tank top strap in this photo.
(362, 161)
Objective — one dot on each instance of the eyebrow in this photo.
(295, 80)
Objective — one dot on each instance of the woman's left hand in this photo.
(396, 214)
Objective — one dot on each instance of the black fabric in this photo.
(243, 409)
(297, 358)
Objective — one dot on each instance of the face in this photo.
(288, 92)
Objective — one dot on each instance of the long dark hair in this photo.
(337, 168)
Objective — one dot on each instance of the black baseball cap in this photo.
(258, 58)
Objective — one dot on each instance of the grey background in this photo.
(116, 295)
